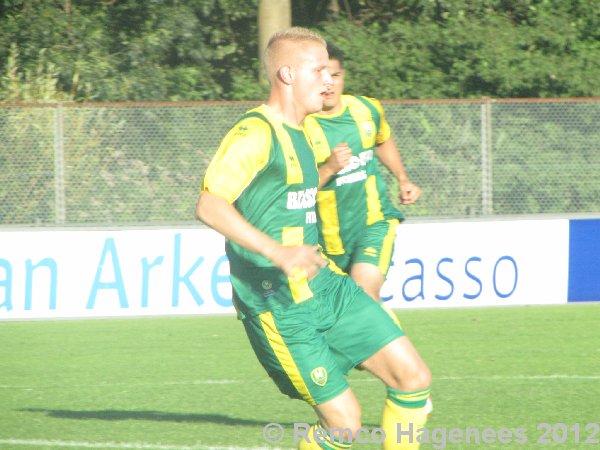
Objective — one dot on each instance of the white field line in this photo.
(359, 380)
(121, 445)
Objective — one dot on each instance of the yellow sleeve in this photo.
(384, 132)
(242, 154)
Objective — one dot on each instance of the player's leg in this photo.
(339, 420)
(408, 380)
(372, 256)
(368, 334)
(399, 366)
(297, 358)
(369, 277)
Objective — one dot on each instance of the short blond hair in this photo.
(277, 41)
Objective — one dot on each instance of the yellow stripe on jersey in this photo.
(374, 213)
(328, 214)
(299, 287)
(364, 121)
(385, 131)
(388, 246)
(317, 139)
(242, 154)
(292, 164)
(283, 355)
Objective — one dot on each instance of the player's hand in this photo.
(339, 158)
(299, 261)
(409, 192)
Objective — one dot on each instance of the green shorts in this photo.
(375, 245)
(308, 348)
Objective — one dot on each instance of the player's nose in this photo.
(327, 80)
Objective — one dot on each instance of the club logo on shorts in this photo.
(267, 286)
(319, 376)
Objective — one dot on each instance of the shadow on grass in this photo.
(158, 416)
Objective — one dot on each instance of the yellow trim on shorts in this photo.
(387, 246)
(374, 213)
(390, 313)
(284, 356)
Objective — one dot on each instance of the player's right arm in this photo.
(339, 158)
(216, 212)
(243, 153)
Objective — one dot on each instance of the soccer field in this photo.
(518, 377)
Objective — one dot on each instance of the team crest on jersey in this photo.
(319, 376)
(367, 128)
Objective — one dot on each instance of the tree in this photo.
(273, 16)
(134, 50)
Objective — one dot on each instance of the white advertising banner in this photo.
(479, 263)
(151, 272)
(73, 273)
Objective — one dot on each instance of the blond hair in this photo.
(295, 35)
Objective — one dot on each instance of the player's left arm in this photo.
(389, 155)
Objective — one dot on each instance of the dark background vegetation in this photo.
(175, 50)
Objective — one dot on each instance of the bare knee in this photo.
(400, 367)
(415, 378)
(342, 415)
(343, 419)
(412, 375)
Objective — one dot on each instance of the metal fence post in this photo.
(487, 207)
(59, 166)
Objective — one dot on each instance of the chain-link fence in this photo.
(123, 164)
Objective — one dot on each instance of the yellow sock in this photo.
(320, 440)
(404, 414)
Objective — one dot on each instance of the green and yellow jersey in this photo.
(267, 170)
(356, 196)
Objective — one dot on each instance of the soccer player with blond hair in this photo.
(308, 322)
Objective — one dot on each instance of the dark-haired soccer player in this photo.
(357, 220)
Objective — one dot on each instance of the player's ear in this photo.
(285, 74)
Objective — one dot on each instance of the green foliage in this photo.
(207, 49)
(26, 166)
(137, 50)
(469, 54)
(36, 85)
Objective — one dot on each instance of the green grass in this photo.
(193, 382)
